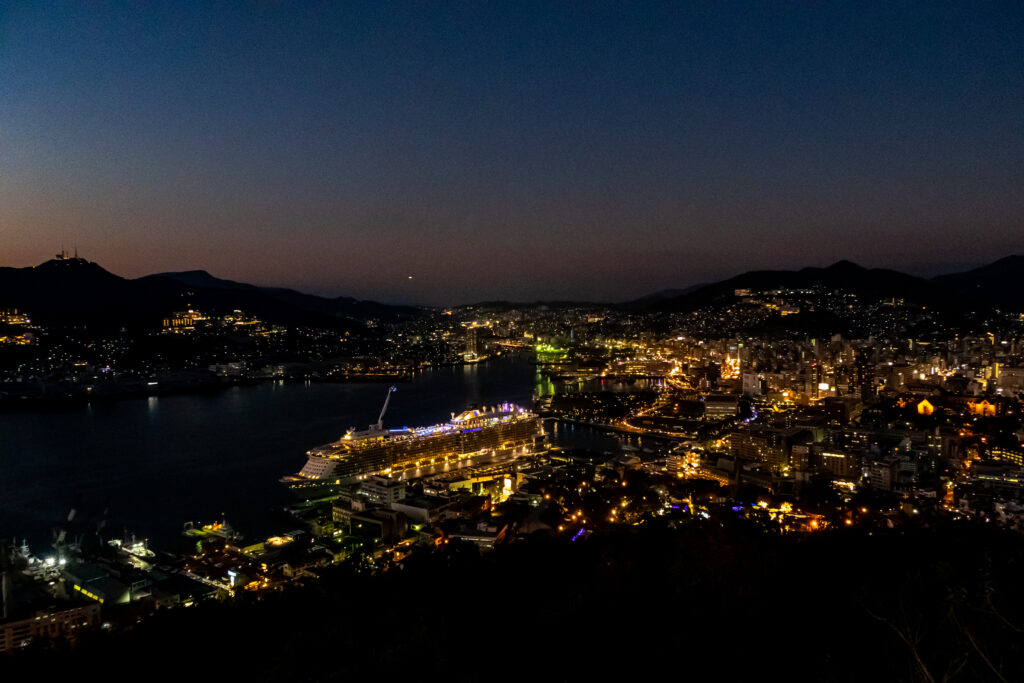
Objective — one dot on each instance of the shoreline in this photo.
(42, 404)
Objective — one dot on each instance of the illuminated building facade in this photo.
(48, 624)
(183, 321)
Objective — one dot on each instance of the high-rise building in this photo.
(864, 377)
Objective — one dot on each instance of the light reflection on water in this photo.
(546, 386)
(155, 463)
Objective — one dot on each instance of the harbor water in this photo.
(149, 465)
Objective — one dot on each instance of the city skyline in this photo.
(527, 152)
(340, 339)
(850, 274)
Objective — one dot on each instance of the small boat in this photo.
(130, 545)
(219, 529)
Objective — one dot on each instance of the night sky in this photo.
(521, 150)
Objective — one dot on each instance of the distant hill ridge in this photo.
(202, 278)
(995, 285)
(78, 292)
(75, 291)
(339, 306)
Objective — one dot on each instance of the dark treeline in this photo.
(729, 601)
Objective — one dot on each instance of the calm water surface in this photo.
(152, 464)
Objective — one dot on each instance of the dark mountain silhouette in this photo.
(80, 293)
(342, 306)
(872, 284)
(662, 295)
(201, 278)
(77, 292)
(997, 283)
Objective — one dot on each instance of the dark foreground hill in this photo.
(701, 602)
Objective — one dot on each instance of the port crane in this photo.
(380, 420)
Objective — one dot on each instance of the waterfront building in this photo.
(381, 490)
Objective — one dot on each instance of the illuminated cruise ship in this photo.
(502, 429)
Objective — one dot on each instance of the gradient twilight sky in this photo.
(510, 150)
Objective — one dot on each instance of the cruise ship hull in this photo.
(472, 436)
